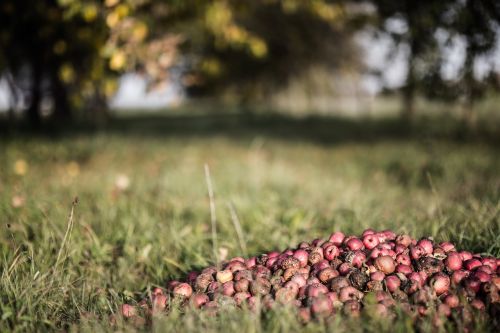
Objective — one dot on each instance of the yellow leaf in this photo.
(235, 34)
(289, 6)
(218, 15)
(258, 47)
(211, 67)
(110, 87)
(140, 31)
(327, 12)
(111, 3)
(67, 73)
(117, 61)
(73, 169)
(122, 10)
(112, 19)
(20, 167)
(89, 12)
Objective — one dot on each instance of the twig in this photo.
(237, 227)
(213, 217)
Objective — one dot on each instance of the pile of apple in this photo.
(380, 271)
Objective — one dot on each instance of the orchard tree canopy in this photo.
(418, 27)
(74, 50)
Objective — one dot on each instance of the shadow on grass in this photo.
(317, 129)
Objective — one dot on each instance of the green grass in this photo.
(288, 181)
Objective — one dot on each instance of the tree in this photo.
(55, 49)
(71, 50)
(418, 22)
(255, 47)
(74, 49)
(477, 22)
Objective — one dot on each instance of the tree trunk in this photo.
(97, 108)
(14, 97)
(62, 110)
(33, 111)
(408, 112)
(408, 103)
(469, 116)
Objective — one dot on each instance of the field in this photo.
(143, 214)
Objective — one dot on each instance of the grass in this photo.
(143, 214)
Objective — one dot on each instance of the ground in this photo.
(143, 214)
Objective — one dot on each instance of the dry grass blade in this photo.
(238, 228)
(213, 216)
(68, 232)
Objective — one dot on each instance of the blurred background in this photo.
(307, 116)
(67, 60)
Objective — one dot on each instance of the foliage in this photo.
(82, 45)
(253, 47)
(420, 24)
(73, 50)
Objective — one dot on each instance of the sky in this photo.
(376, 51)
(133, 94)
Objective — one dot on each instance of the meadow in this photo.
(143, 216)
